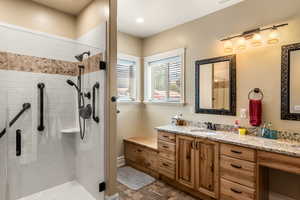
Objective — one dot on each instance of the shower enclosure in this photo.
(52, 93)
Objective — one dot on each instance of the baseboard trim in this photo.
(120, 161)
(112, 197)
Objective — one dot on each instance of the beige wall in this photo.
(34, 16)
(130, 117)
(38, 17)
(93, 15)
(256, 67)
(130, 45)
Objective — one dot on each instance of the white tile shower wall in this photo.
(90, 151)
(48, 157)
(94, 38)
(19, 40)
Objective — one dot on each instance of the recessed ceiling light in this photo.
(140, 20)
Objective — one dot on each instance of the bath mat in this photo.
(133, 178)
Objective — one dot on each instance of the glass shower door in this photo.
(3, 141)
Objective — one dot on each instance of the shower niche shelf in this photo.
(70, 131)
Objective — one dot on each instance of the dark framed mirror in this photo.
(290, 82)
(215, 86)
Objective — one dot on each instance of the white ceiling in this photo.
(160, 15)
(72, 7)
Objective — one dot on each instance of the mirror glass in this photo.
(214, 86)
(294, 81)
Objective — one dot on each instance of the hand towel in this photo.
(255, 112)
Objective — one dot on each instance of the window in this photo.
(164, 77)
(127, 77)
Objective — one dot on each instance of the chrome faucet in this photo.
(210, 126)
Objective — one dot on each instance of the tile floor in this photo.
(156, 191)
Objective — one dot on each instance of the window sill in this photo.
(164, 103)
(129, 102)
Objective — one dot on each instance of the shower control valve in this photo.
(88, 95)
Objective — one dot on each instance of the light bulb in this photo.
(228, 47)
(256, 40)
(273, 37)
(241, 44)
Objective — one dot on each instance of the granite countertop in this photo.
(277, 146)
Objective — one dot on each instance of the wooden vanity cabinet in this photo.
(197, 163)
(207, 167)
(185, 161)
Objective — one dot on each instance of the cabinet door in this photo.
(185, 161)
(207, 167)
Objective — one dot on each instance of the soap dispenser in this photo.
(178, 120)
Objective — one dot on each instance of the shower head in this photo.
(71, 83)
(80, 56)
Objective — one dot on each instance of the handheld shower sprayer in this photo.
(71, 83)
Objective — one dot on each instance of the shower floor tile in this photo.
(68, 191)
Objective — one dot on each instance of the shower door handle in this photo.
(41, 87)
(18, 142)
(96, 86)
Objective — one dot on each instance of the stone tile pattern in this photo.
(156, 191)
(287, 147)
(282, 134)
(17, 62)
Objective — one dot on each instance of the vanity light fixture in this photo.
(241, 44)
(256, 40)
(228, 46)
(254, 36)
(273, 37)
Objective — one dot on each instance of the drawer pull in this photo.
(166, 147)
(139, 150)
(236, 152)
(165, 136)
(236, 191)
(166, 165)
(236, 166)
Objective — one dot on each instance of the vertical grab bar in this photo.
(96, 86)
(41, 126)
(18, 142)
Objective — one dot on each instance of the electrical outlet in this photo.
(243, 113)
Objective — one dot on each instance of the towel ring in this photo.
(256, 91)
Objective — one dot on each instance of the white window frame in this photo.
(147, 92)
(137, 60)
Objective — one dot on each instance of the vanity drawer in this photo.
(238, 171)
(234, 191)
(238, 152)
(168, 137)
(166, 146)
(167, 165)
(167, 155)
(167, 168)
(141, 155)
